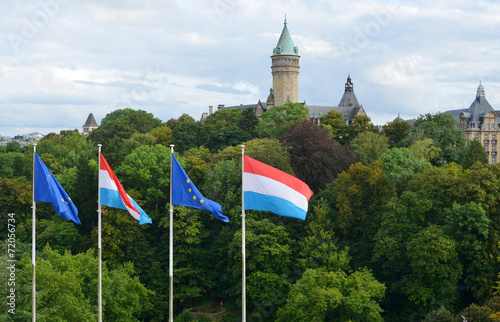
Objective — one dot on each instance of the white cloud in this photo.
(175, 57)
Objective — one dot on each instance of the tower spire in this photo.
(285, 69)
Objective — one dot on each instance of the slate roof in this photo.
(318, 111)
(349, 98)
(476, 110)
(90, 121)
(479, 105)
(456, 113)
(348, 106)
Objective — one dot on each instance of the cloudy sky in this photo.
(63, 59)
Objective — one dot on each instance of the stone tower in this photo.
(285, 71)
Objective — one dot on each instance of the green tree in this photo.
(197, 162)
(361, 194)
(369, 146)
(249, 121)
(12, 164)
(316, 159)
(425, 150)
(163, 134)
(139, 118)
(434, 190)
(398, 132)
(222, 129)
(398, 226)
(59, 233)
(15, 197)
(172, 123)
(477, 313)
(481, 184)
(334, 122)
(186, 133)
(269, 151)
(469, 225)
(474, 152)
(360, 124)
(318, 249)
(334, 296)
(277, 120)
(494, 305)
(191, 281)
(389, 260)
(344, 132)
(400, 164)
(442, 129)
(145, 170)
(137, 140)
(86, 198)
(435, 268)
(441, 315)
(123, 239)
(13, 146)
(117, 128)
(267, 263)
(67, 289)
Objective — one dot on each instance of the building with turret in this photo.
(285, 65)
(481, 122)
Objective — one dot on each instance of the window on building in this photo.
(477, 136)
(468, 136)
(486, 136)
(493, 136)
(493, 148)
(493, 160)
(486, 148)
(487, 126)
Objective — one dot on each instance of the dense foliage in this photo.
(410, 232)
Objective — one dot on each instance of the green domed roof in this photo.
(285, 46)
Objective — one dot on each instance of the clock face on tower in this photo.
(278, 84)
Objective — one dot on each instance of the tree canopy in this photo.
(403, 224)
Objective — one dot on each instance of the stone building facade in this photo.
(285, 65)
(481, 122)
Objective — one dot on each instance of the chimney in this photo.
(210, 110)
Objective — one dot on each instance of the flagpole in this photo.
(171, 246)
(33, 245)
(243, 254)
(99, 294)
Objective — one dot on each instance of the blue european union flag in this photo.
(48, 189)
(184, 193)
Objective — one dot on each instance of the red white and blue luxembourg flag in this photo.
(113, 194)
(269, 189)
